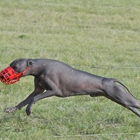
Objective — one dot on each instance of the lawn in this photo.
(97, 36)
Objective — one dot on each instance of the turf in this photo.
(97, 36)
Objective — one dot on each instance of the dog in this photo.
(55, 78)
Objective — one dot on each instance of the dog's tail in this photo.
(116, 80)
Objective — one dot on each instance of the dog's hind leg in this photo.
(134, 110)
(121, 96)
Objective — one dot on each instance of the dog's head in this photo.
(21, 65)
(15, 71)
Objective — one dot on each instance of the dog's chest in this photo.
(44, 85)
(40, 84)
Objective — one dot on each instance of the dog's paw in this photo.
(10, 110)
(28, 111)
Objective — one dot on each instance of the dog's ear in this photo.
(30, 62)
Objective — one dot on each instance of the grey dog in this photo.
(55, 78)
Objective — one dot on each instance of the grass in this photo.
(100, 37)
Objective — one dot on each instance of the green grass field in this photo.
(98, 36)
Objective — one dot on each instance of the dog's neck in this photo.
(36, 68)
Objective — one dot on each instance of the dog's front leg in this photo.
(22, 104)
(25, 102)
(46, 94)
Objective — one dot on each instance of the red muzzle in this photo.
(8, 76)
